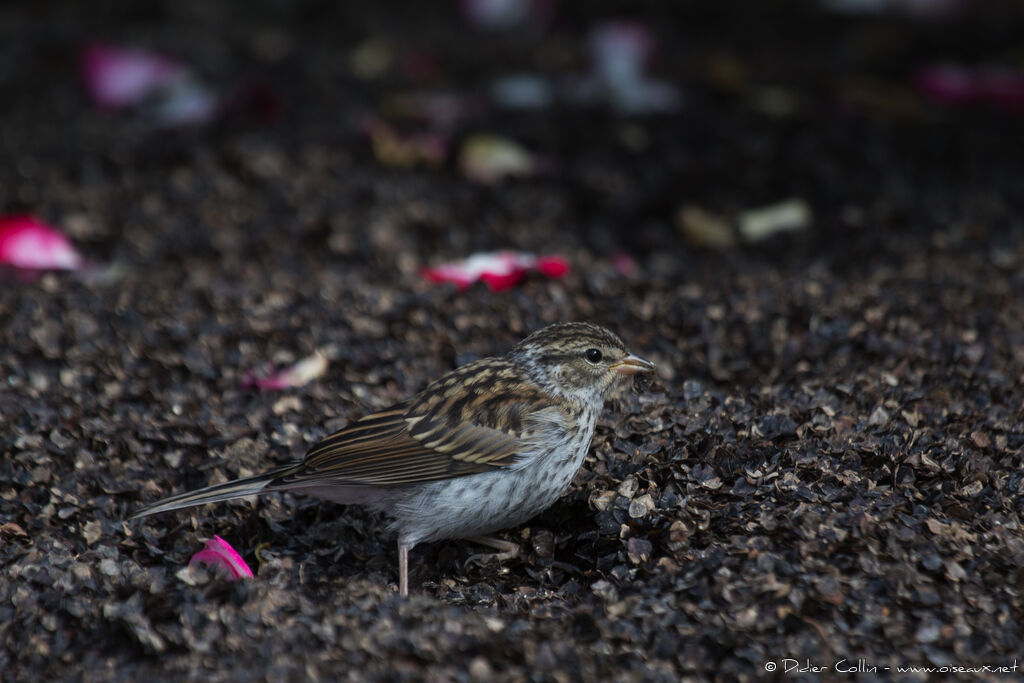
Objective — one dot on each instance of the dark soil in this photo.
(826, 467)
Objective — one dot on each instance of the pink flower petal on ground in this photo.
(27, 242)
(553, 266)
(303, 372)
(499, 282)
(116, 77)
(499, 270)
(219, 554)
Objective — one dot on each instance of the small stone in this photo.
(928, 632)
(173, 458)
(678, 534)
(974, 353)
(641, 506)
(480, 669)
(972, 489)
(60, 439)
(639, 550)
(879, 417)
(668, 565)
(12, 529)
(954, 571)
(189, 577)
(543, 542)
(692, 389)
(287, 404)
(602, 500)
(92, 531)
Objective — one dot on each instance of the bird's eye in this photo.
(593, 355)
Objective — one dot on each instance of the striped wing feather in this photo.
(441, 434)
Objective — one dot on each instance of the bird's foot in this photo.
(507, 550)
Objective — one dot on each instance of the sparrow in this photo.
(485, 447)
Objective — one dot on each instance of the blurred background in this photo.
(397, 133)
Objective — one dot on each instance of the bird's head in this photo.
(578, 361)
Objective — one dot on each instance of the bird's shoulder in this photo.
(493, 393)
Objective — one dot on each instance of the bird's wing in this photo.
(462, 424)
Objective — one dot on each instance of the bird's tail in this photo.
(216, 493)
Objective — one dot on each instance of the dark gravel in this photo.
(828, 465)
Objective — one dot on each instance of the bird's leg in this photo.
(403, 570)
(508, 550)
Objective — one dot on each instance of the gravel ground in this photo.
(826, 467)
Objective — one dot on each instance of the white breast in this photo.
(481, 503)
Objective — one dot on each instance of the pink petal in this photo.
(553, 266)
(443, 274)
(219, 554)
(499, 270)
(27, 242)
(303, 372)
(116, 77)
(499, 282)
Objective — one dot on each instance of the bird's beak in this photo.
(631, 365)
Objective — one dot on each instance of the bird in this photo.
(485, 447)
